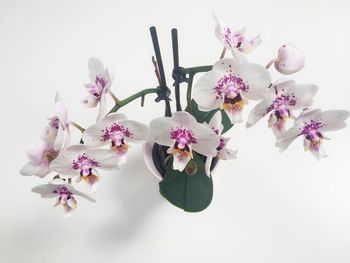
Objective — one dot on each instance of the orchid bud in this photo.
(290, 59)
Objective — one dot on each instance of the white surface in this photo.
(267, 207)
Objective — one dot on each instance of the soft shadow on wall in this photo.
(136, 194)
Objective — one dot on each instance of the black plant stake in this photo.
(163, 91)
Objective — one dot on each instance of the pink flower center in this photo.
(101, 82)
(182, 137)
(229, 86)
(63, 193)
(311, 132)
(116, 133)
(84, 164)
(54, 122)
(222, 144)
(280, 105)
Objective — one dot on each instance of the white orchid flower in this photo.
(235, 40)
(118, 132)
(56, 136)
(223, 153)
(84, 161)
(182, 133)
(64, 194)
(101, 81)
(281, 100)
(311, 124)
(228, 86)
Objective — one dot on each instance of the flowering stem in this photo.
(195, 70)
(189, 92)
(74, 124)
(271, 62)
(116, 100)
(126, 101)
(223, 53)
(156, 71)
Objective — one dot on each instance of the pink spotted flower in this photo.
(235, 40)
(311, 125)
(83, 162)
(64, 193)
(281, 100)
(182, 134)
(55, 137)
(229, 85)
(118, 132)
(100, 83)
(223, 153)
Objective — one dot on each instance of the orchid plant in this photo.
(183, 147)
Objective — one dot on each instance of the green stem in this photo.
(190, 71)
(76, 125)
(195, 70)
(189, 92)
(126, 101)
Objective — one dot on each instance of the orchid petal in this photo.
(72, 203)
(257, 113)
(184, 118)
(179, 160)
(36, 152)
(256, 76)
(207, 140)
(102, 108)
(333, 119)
(95, 68)
(235, 116)
(61, 110)
(139, 131)
(45, 190)
(207, 166)
(203, 92)
(160, 130)
(215, 123)
(303, 93)
(287, 138)
(40, 170)
(226, 154)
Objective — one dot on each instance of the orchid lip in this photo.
(63, 194)
(84, 164)
(310, 129)
(182, 137)
(101, 82)
(120, 148)
(235, 104)
(221, 145)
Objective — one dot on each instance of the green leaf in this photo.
(205, 116)
(192, 193)
(225, 122)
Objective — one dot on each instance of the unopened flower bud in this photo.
(290, 59)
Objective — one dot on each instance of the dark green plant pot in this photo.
(191, 189)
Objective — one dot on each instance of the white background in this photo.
(267, 207)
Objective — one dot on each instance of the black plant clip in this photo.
(163, 93)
